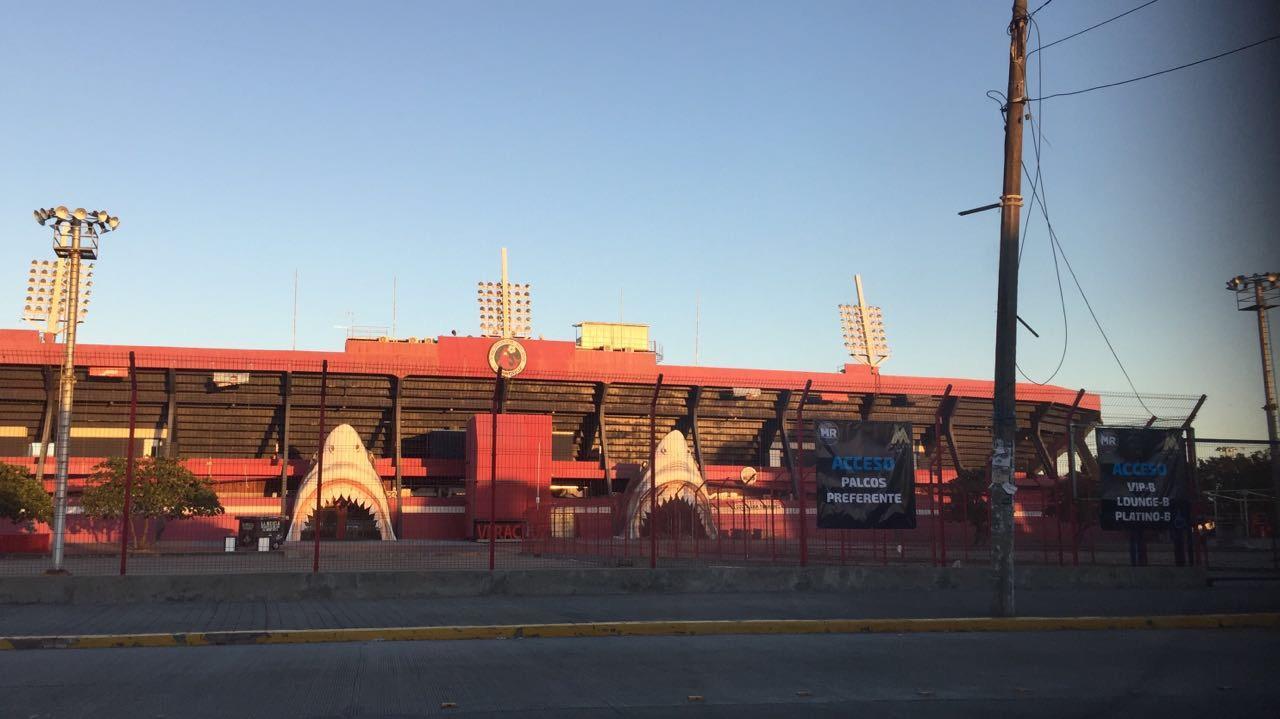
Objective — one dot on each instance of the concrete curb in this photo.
(649, 629)
(559, 582)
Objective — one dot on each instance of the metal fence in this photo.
(349, 465)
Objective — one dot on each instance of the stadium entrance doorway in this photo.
(343, 520)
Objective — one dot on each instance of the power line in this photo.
(1038, 194)
(1043, 5)
(1096, 322)
(1154, 74)
(1092, 27)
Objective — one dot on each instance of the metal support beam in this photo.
(1088, 462)
(780, 421)
(1060, 443)
(397, 447)
(689, 424)
(948, 410)
(1189, 537)
(1037, 440)
(1186, 424)
(593, 428)
(936, 453)
(504, 389)
(46, 422)
(797, 482)
(770, 428)
(171, 413)
(791, 465)
(869, 405)
(286, 401)
(653, 474)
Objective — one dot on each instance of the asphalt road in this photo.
(1055, 674)
(199, 616)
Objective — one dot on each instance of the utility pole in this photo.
(1005, 415)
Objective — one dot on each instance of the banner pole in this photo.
(315, 523)
(130, 452)
(653, 475)
(493, 467)
(799, 468)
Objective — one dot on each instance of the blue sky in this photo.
(755, 154)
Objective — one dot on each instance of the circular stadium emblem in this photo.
(508, 357)
(828, 431)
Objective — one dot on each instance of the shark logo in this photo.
(901, 437)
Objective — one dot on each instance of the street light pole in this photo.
(1259, 293)
(71, 228)
(66, 396)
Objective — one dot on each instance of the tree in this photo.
(22, 499)
(163, 489)
(1236, 471)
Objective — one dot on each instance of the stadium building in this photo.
(410, 426)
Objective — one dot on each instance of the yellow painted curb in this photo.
(1270, 620)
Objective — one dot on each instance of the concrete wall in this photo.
(395, 585)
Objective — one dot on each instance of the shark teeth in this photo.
(676, 477)
(348, 475)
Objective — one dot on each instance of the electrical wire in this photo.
(1038, 195)
(1091, 27)
(1098, 324)
(1035, 141)
(1037, 136)
(1156, 74)
(1043, 5)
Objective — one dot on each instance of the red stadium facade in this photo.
(574, 429)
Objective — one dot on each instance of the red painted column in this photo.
(493, 468)
(799, 466)
(315, 522)
(653, 475)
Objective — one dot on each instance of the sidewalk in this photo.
(197, 616)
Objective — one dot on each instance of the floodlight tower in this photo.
(505, 307)
(1259, 293)
(47, 295)
(75, 238)
(863, 329)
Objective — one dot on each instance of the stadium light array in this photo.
(44, 306)
(506, 308)
(863, 328)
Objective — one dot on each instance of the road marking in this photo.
(1268, 620)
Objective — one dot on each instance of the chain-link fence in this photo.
(264, 462)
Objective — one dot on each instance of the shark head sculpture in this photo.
(349, 476)
(674, 477)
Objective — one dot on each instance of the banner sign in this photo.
(866, 475)
(1144, 477)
